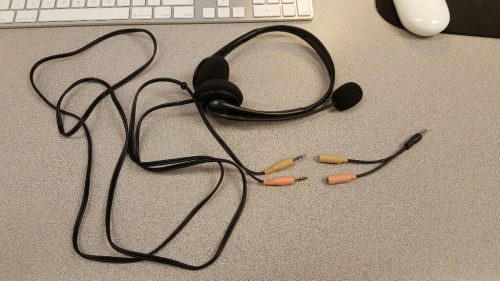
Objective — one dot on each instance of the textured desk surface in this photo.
(433, 214)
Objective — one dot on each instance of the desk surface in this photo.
(430, 215)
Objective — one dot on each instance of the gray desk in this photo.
(433, 214)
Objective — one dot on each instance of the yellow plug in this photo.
(282, 165)
(332, 159)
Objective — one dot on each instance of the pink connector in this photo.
(340, 178)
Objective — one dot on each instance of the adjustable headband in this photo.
(311, 40)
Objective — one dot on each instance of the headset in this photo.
(213, 94)
(223, 99)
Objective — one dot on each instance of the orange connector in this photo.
(282, 181)
(340, 178)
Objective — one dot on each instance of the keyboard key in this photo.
(17, 4)
(26, 16)
(140, 13)
(273, 1)
(78, 3)
(257, 2)
(33, 4)
(108, 3)
(138, 2)
(48, 4)
(223, 3)
(183, 12)
(178, 3)
(6, 16)
(238, 12)
(303, 7)
(83, 14)
(208, 13)
(63, 3)
(223, 13)
(289, 10)
(288, 1)
(4, 4)
(260, 11)
(154, 2)
(163, 13)
(122, 3)
(93, 3)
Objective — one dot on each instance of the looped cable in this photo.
(131, 148)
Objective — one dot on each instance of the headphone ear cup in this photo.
(218, 89)
(214, 67)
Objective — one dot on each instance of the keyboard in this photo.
(42, 13)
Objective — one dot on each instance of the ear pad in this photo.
(214, 67)
(218, 89)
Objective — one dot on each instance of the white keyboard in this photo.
(39, 13)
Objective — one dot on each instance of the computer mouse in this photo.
(423, 17)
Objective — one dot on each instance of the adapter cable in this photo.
(348, 177)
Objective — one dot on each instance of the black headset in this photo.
(223, 99)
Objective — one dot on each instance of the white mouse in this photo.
(423, 17)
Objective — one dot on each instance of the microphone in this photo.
(347, 96)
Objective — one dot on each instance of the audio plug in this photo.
(282, 165)
(282, 181)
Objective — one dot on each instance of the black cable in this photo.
(355, 161)
(131, 148)
(383, 162)
(387, 161)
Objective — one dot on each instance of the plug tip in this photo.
(301, 179)
(299, 157)
(423, 131)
